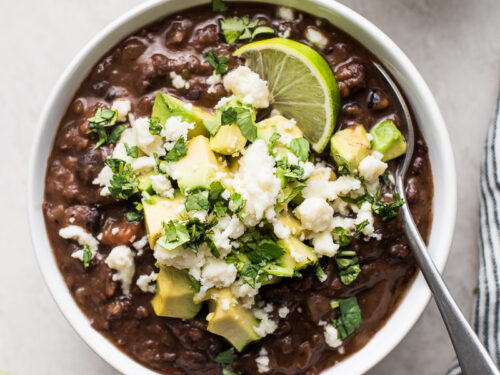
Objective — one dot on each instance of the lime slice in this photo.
(301, 84)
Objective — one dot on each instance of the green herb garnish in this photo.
(123, 185)
(348, 266)
(239, 29)
(155, 126)
(300, 147)
(219, 6)
(349, 319)
(87, 256)
(219, 63)
(178, 151)
(132, 151)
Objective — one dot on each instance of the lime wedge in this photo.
(301, 84)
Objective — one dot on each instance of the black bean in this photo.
(89, 165)
(377, 100)
(400, 251)
(100, 87)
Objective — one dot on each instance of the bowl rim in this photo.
(406, 314)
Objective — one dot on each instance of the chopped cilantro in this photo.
(249, 273)
(237, 202)
(320, 273)
(123, 185)
(288, 172)
(300, 147)
(197, 201)
(219, 63)
(348, 265)
(219, 6)
(220, 209)
(176, 234)
(134, 216)
(87, 256)
(178, 151)
(239, 29)
(158, 168)
(272, 141)
(387, 210)
(296, 191)
(343, 238)
(215, 191)
(104, 118)
(132, 151)
(155, 126)
(350, 317)
(343, 166)
(384, 178)
(246, 123)
(227, 372)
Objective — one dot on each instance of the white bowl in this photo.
(417, 92)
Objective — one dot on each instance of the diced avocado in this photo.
(323, 174)
(289, 221)
(198, 168)
(349, 146)
(228, 140)
(166, 106)
(231, 321)
(388, 140)
(282, 126)
(175, 290)
(158, 210)
(145, 182)
(298, 255)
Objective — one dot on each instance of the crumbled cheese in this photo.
(316, 37)
(122, 107)
(216, 274)
(331, 336)
(103, 179)
(315, 214)
(161, 184)
(245, 292)
(226, 194)
(80, 235)
(371, 168)
(285, 13)
(146, 282)
(141, 243)
(284, 31)
(324, 245)
(147, 142)
(365, 213)
(115, 230)
(227, 228)
(184, 258)
(283, 312)
(143, 164)
(225, 304)
(256, 182)
(280, 230)
(201, 215)
(248, 85)
(343, 222)
(213, 80)
(175, 128)
(266, 325)
(71, 219)
(262, 361)
(121, 259)
(177, 81)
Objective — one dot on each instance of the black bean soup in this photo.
(136, 69)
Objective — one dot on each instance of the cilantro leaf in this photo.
(219, 6)
(197, 201)
(134, 216)
(176, 234)
(219, 63)
(178, 151)
(155, 126)
(238, 29)
(116, 133)
(220, 209)
(249, 273)
(300, 147)
(245, 121)
(227, 372)
(122, 185)
(225, 357)
(320, 273)
(132, 151)
(350, 317)
(348, 265)
(387, 210)
(237, 202)
(216, 189)
(87, 256)
(343, 166)
(343, 238)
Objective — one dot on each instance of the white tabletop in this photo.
(454, 43)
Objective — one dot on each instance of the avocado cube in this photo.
(282, 126)
(349, 146)
(145, 182)
(388, 140)
(198, 168)
(228, 140)
(289, 221)
(297, 254)
(158, 210)
(166, 106)
(231, 320)
(175, 290)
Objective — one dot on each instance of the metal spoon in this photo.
(471, 354)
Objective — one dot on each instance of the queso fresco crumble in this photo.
(214, 209)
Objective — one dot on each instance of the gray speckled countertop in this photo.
(454, 43)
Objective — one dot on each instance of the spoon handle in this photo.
(471, 354)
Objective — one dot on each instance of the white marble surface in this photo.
(454, 43)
